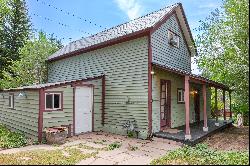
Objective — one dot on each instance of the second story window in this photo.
(173, 39)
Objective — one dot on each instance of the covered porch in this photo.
(196, 131)
(193, 133)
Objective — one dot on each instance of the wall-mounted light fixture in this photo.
(22, 94)
(193, 92)
(152, 72)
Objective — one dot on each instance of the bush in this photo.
(10, 139)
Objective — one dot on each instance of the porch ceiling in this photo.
(193, 78)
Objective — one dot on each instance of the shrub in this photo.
(10, 139)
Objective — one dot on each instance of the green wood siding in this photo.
(177, 110)
(65, 117)
(24, 116)
(126, 68)
(167, 55)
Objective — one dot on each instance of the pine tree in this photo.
(14, 33)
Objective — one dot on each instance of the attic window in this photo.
(173, 39)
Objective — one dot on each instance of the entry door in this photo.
(197, 107)
(83, 109)
(165, 112)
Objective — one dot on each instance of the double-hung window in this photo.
(53, 101)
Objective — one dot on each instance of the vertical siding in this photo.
(125, 67)
(177, 110)
(167, 55)
(24, 116)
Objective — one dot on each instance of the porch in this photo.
(196, 130)
(193, 105)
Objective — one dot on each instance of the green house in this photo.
(137, 72)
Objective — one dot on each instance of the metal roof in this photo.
(130, 27)
(46, 85)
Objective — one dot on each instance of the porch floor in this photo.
(196, 130)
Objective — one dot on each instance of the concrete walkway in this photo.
(131, 151)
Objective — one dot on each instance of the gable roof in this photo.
(128, 29)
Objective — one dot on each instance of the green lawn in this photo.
(202, 155)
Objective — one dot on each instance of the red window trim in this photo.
(53, 92)
(180, 102)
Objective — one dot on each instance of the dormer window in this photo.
(173, 39)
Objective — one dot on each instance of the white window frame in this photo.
(170, 33)
(180, 92)
(60, 101)
(11, 101)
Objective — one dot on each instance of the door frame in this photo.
(74, 96)
(168, 120)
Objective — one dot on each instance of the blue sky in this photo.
(105, 13)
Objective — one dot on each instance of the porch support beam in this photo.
(187, 108)
(230, 104)
(204, 92)
(216, 107)
(224, 104)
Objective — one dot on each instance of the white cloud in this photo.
(132, 8)
(209, 6)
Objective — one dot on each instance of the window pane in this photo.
(56, 101)
(49, 101)
(10, 101)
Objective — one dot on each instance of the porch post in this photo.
(230, 105)
(224, 104)
(205, 128)
(186, 96)
(216, 107)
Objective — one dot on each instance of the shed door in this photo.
(83, 109)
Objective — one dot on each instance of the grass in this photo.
(202, 155)
(45, 157)
(9, 139)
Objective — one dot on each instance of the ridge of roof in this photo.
(138, 24)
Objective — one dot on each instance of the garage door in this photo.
(83, 109)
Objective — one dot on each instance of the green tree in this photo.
(223, 46)
(31, 68)
(14, 31)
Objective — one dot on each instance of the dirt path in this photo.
(233, 138)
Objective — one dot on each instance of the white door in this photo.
(83, 109)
